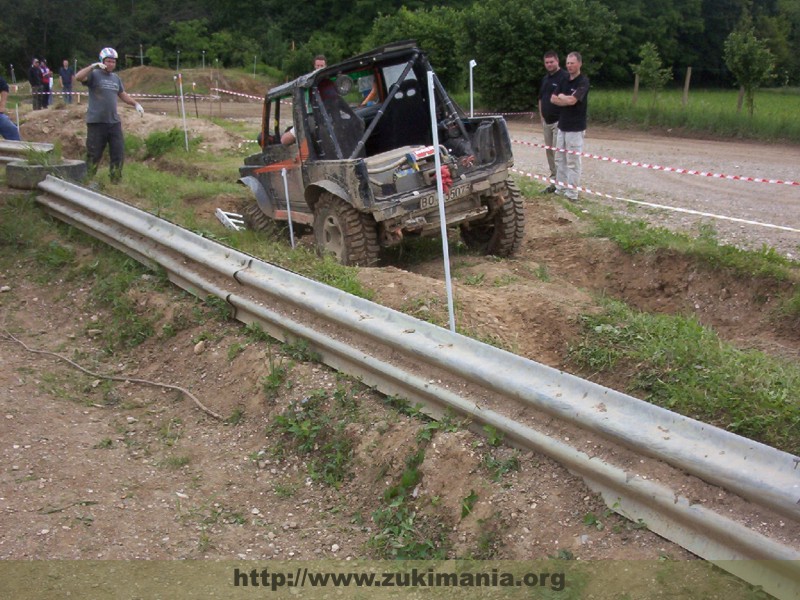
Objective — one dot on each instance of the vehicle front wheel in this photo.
(339, 229)
(500, 233)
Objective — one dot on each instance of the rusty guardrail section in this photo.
(384, 348)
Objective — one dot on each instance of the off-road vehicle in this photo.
(361, 172)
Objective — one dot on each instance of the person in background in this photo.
(35, 79)
(320, 62)
(572, 98)
(8, 129)
(66, 75)
(103, 124)
(548, 112)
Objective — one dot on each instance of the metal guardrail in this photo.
(13, 150)
(344, 329)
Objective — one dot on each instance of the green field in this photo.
(707, 112)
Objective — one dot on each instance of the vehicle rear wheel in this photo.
(341, 230)
(501, 232)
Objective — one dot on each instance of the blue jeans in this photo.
(7, 128)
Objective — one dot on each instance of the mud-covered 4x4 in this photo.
(361, 172)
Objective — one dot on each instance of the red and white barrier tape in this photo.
(146, 96)
(509, 114)
(633, 163)
(659, 206)
(241, 95)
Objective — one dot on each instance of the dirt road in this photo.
(773, 204)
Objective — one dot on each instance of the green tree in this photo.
(232, 50)
(651, 75)
(511, 36)
(191, 38)
(674, 26)
(439, 31)
(750, 62)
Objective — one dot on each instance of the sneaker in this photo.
(550, 189)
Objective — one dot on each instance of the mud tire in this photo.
(256, 220)
(339, 229)
(500, 234)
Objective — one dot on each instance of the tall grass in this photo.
(707, 111)
(675, 362)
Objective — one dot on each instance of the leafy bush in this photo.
(160, 143)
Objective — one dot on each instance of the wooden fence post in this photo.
(686, 86)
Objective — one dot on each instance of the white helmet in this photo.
(108, 53)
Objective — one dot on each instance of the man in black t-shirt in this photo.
(572, 99)
(35, 79)
(548, 111)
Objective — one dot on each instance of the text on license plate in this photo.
(432, 199)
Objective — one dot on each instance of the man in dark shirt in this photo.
(66, 75)
(35, 79)
(103, 125)
(548, 111)
(572, 99)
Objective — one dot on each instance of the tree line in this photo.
(507, 38)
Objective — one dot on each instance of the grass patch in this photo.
(400, 533)
(316, 429)
(678, 364)
(301, 260)
(707, 112)
(115, 277)
(22, 225)
(637, 236)
(174, 140)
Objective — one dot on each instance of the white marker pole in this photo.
(183, 113)
(288, 205)
(472, 65)
(440, 193)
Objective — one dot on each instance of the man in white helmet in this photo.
(102, 121)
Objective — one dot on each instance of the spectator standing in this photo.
(103, 125)
(47, 82)
(8, 129)
(35, 79)
(66, 75)
(320, 62)
(573, 99)
(549, 112)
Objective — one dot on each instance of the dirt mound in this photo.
(153, 80)
(66, 125)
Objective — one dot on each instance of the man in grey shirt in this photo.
(103, 126)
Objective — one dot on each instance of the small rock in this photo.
(93, 332)
(255, 511)
(181, 495)
(5, 288)
(199, 347)
(335, 548)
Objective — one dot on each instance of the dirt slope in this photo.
(165, 481)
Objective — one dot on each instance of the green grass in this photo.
(637, 236)
(678, 364)
(316, 429)
(707, 112)
(399, 531)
